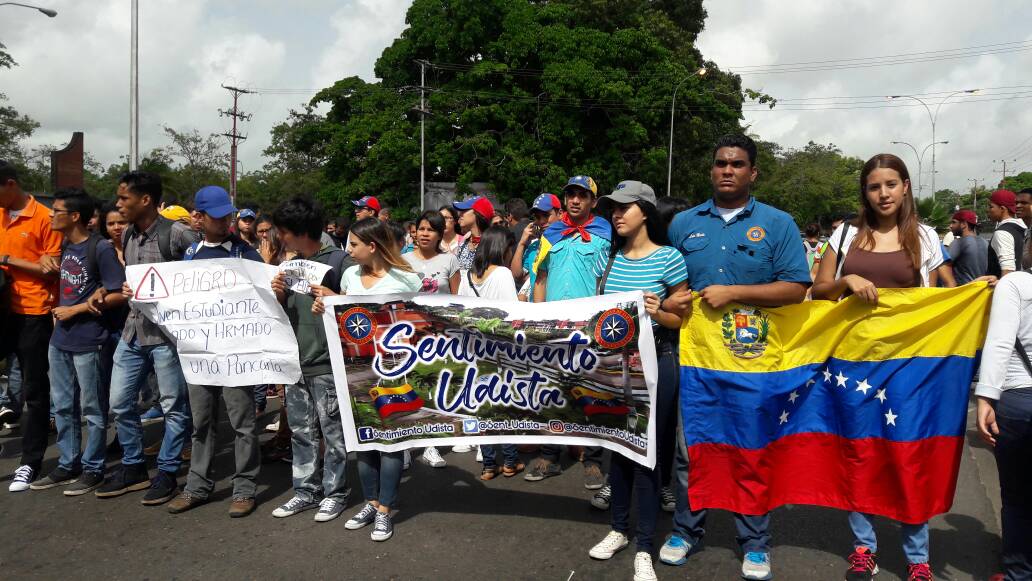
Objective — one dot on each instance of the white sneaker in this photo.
(480, 455)
(406, 460)
(329, 509)
(609, 546)
(23, 476)
(273, 427)
(643, 570)
(756, 566)
(432, 457)
(462, 448)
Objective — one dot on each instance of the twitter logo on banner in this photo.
(365, 434)
(471, 426)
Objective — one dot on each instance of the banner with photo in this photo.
(439, 370)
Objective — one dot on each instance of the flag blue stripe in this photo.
(927, 395)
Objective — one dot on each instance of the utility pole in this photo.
(422, 134)
(234, 137)
(134, 90)
(974, 193)
(1004, 170)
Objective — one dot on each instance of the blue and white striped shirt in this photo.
(657, 272)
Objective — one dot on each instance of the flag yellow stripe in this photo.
(906, 323)
(585, 392)
(379, 391)
(543, 249)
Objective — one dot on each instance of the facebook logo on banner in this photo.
(471, 426)
(365, 434)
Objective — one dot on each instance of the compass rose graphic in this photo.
(357, 325)
(615, 329)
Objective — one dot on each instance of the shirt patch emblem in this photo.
(755, 234)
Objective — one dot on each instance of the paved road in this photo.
(449, 525)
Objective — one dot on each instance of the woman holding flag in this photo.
(380, 271)
(641, 259)
(887, 247)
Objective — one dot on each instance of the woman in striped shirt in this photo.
(640, 259)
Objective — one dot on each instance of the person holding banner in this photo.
(886, 248)
(150, 238)
(312, 402)
(217, 212)
(736, 250)
(641, 259)
(490, 278)
(380, 271)
(568, 249)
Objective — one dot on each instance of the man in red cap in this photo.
(1008, 240)
(970, 253)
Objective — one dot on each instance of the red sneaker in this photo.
(919, 572)
(862, 566)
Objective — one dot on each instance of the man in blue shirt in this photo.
(736, 250)
(217, 214)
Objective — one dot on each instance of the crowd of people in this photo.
(63, 278)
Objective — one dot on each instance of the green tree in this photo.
(934, 213)
(201, 160)
(813, 184)
(523, 94)
(14, 126)
(1017, 182)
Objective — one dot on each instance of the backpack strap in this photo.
(92, 263)
(165, 239)
(1023, 354)
(601, 289)
(841, 242)
(191, 251)
(469, 278)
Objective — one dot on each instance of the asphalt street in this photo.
(448, 525)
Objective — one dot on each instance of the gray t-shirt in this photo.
(435, 272)
(970, 256)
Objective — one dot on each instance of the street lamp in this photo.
(47, 11)
(670, 148)
(920, 162)
(933, 118)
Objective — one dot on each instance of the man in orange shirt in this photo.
(30, 292)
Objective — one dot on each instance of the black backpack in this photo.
(112, 319)
(164, 238)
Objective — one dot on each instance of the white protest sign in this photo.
(222, 316)
(299, 275)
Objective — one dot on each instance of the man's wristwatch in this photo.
(4, 259)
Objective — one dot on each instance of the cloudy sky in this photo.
(820, 59)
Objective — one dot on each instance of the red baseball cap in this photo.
(367, 202)
(1004, 198)
(478, 204)
(966, 216)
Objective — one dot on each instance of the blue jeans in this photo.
(915, 537)
(380, 473)
(510, 453)
(625, 475)
(133, 363)
(11, 397)
(260, 397)
(75, 384)
(751, 531)
(312, 410)
(1013, 451)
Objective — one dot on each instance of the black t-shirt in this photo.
(86, 332)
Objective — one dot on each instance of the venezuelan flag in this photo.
(597, 226)
(598, 402)
(391, 400)
(844, 405)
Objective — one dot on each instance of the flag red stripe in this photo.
(392, 408)
(828, 470)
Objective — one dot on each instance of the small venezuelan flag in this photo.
(598, 402)
(845, 404)
(391, 400)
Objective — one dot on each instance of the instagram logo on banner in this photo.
(556, 426)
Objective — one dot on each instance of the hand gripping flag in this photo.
(596, 226)
(844, 405)
(391, 400)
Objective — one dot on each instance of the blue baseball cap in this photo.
(546, 203)
(247, 213)
(584, 182)
(214, 201)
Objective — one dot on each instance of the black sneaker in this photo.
(163, 489)
(87, 482)
(7, 415)
(126, 478)
(540, 469)
(602, 498)
(58, 477)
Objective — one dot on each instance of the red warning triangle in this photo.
(151, 286)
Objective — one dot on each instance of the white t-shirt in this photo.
(499, 285)
(395, 281)
(729, 214)
(435, 272)
(1010, 318)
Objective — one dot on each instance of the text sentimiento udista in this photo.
(530, 392)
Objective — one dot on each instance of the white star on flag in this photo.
(783, 418)
(841, 379)
(880, 395)
(793, 396)
(827, 375)
(863, 386)
(811, 382)
(890, 418)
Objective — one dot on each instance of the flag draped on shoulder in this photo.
(844, 405)
(555, 232)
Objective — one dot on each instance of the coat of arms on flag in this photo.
(745, 331)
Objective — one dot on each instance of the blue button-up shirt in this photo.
(569, 264)
(760, 245)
